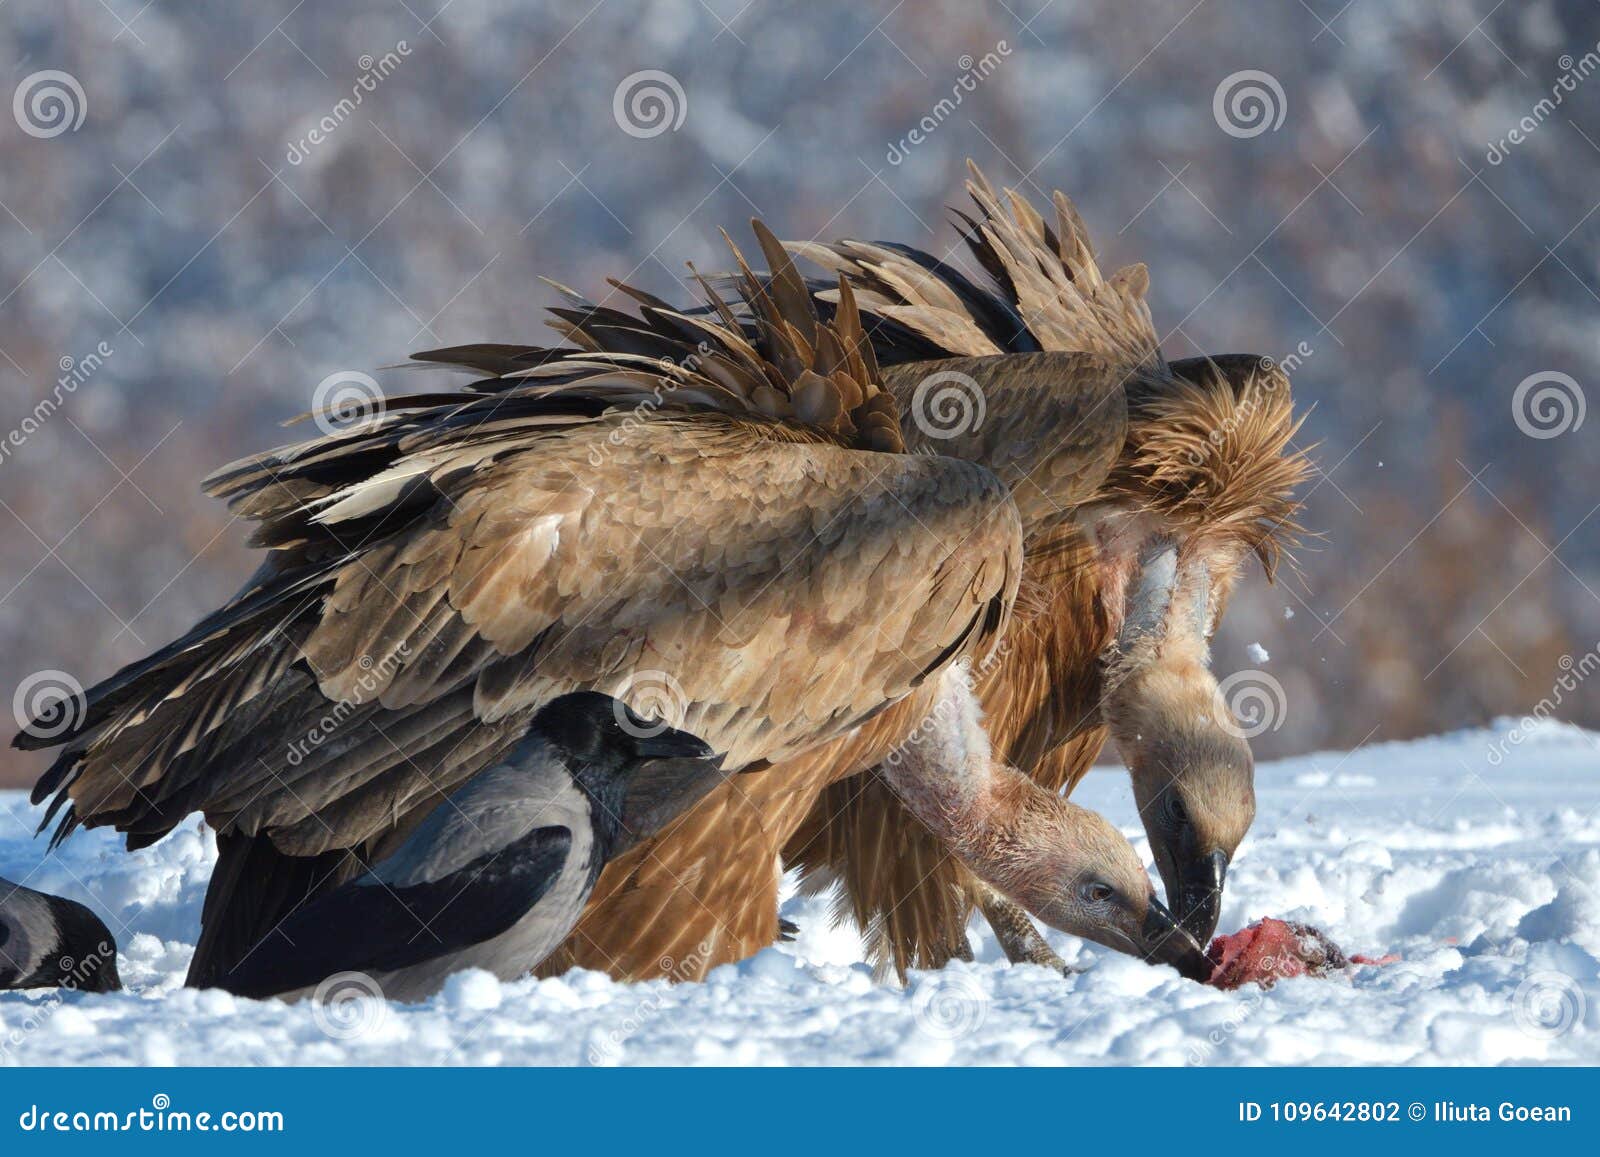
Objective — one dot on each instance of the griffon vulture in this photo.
(1142, 486)
(739, 524)
(1120, 600)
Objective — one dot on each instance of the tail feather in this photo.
(253, 888)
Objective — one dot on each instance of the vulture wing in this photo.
(724, 540)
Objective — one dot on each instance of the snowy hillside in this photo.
(1475, 860)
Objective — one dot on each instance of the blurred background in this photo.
(204, 213)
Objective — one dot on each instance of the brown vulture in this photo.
(720, 525)
(1143, 487)
(1119, 600)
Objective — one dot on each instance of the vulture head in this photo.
(1205, 483)
(1193, 780)
(1094, 887)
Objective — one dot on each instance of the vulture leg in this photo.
(1015, 931)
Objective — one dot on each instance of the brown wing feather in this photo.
(1047, 277)
(446, 565)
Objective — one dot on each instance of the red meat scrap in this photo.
(1271, 950)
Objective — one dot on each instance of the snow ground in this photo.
(1482, 872)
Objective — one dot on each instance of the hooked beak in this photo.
(1163, 941)
(1198, 896)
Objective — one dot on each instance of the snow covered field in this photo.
(1482, 872)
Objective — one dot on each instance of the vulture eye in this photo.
(1098, 893)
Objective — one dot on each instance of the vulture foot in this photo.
(1015, 931)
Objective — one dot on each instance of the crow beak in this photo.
(1163, 941)
(1198, 897)
(670, 743)
(664, 788)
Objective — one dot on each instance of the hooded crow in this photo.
(496, 876)
(49, 942)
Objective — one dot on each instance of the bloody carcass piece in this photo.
(1270, 950)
